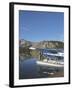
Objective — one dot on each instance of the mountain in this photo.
(24, 43)
(42, 44)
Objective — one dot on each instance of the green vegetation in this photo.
(35, 53)
(25, 51)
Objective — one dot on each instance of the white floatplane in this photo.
(58, 54)
(51, 64)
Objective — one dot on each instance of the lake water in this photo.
(28, 69)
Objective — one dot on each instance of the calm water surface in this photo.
(28, 69)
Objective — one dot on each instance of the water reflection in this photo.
(28, 68)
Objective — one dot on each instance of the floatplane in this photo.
(52, 60)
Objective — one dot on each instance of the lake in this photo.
(28, 68)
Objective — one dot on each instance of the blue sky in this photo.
(38, 25)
